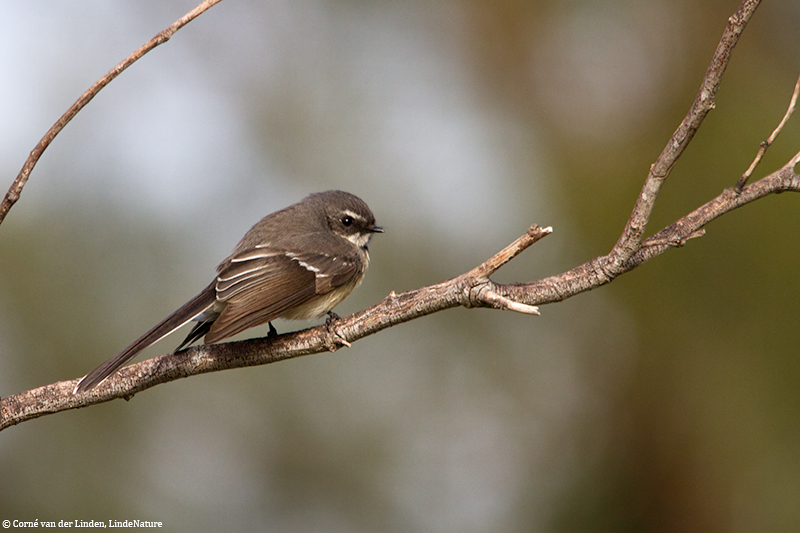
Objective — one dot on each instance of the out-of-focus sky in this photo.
(664, 400)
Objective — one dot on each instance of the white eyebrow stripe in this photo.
(354, 215)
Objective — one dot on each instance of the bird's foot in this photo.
(335, 340)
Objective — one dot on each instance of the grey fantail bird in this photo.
(296, 263)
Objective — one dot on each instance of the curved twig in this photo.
(19, 182)
(771, 139)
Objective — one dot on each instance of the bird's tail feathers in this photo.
(194, 307)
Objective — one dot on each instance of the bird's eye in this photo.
(347, 221)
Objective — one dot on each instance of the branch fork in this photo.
(480, 291)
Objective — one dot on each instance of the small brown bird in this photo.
(297, 263)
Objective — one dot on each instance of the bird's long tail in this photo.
(194, 307)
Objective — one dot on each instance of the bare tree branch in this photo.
(472, 289)
(19, 182)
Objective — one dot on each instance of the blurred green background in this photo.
(666, 401)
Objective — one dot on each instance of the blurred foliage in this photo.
(664, 401)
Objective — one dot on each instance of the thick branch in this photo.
(15, 190)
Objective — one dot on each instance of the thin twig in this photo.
(15, 190)
(766, 144)
(793, 161)
(493, 264)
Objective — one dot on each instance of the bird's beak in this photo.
(375, 229)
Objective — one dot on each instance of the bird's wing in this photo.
(263, 284)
